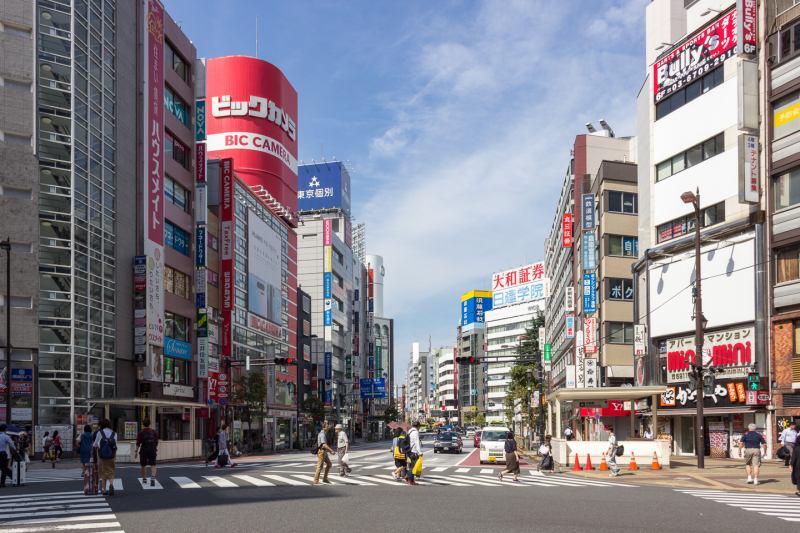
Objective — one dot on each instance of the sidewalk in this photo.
(718, 474)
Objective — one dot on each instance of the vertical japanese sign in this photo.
(566, 230)
(746, 27)
(588, 251)
(569, 326)
(639, 339)
(590, 373)
(547, 356)
(153, 216)
(140, 310)
(327, 306)
(589, 292)
(748, 168)
(590, 335)
(588, 213)
(201, 238)
(569, 299)
(226, 267)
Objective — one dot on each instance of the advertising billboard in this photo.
(588, 214)
(323, 186)
(729, 352)
(590, 292)
(518, 285)
(566, 230)
(153, 201)
(226, 209)
(251, 116)
(263, 269)
(474, 305)
(706, 49)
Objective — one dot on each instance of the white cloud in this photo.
(471, 165)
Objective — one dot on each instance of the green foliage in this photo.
(249, 397)
(524, 375)
(314, 407)
(391, 414)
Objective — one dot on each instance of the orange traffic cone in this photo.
(588, 463)
(603, 465)
(577, 466)
(633, 465)
(654, 465)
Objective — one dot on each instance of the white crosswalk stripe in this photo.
(439, 469)
(774, 505)
(221, 481)
(462, 470)
(57, 511)
(185, 482)
(147, 486)
(284, 480)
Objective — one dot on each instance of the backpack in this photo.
(108, 446)
(148, 440)
(620, 450)
(404, 446)
(399, 449)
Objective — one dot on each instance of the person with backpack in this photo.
(147, 449)
(611, 453)
(399, 447)
(105, 443)
(414, 453)
(547, 464)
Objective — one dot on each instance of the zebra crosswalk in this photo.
(775, 505)
(57, 511)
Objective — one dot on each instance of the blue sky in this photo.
(456, 119)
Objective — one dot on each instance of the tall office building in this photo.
(418, 385)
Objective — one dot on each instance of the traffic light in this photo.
(285, 360)
(709, 383)
(753, 381)
(467, 360)
(693, 379)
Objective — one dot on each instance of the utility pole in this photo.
(6, 245)
(694, 199)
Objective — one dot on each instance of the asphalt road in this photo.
(276, 495)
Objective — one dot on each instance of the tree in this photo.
(250, 394)
(314, 407)
(391, 414)
(523, 375)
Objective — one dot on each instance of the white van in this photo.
(493, 440)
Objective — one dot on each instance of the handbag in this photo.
(346, 458)
(417, 470)
(783, 453)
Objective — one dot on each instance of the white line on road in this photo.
(462, 470)
(282, 479)
(352, 481)
(487, 470)
(371, 467)
(221, 481)
(482, 481)
(50, 501)
(61, 527)
(146, 484)
(118, 484)
(43, 506)
(447, 481)
(50, 513)
(381, 479)
(439, 469)
(254, 480)
(185, 483)
(310, 479)
(28, 496)
(62, 519)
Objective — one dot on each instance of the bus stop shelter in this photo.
(154, 409)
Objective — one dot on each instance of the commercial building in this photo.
(445, 403)
(698, 127)
(471, 342)
(418, 384)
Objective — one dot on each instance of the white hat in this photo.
(338, 426)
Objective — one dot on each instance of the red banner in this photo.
(154, 132)
(226, 272)
(566, 230)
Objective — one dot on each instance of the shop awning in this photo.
(605, 393)
(146, 402)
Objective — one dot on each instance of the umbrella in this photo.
(13, 430)
(402, 425)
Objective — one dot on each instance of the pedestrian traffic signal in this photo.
(753, 381)
(285, 360)
(467, 360)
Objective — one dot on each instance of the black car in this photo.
(447, 441)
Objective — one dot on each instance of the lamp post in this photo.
(694, 199)
(6, 245)
(529, 373)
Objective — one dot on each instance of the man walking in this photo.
(788, 438)
(322, 455)
(415, 452)
(147, 448)
(611, 453)
(6, 447)
(342, 447)
(752, 442)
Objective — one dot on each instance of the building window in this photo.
(694, 155)
(175, 61)
(176, 282)
(683, 96)
(677, 228)
(619, 332)
(623, 202)
(213, 241)
(306, 303)
(212, 277)
(338, 255)
(176, 326)
(790, 42)
(175, 193)
(176, 238)
(176, 371)
(623, 246)
(176, 150)
(175, 105)
(787, 187)
(619, 288)
(788, 263)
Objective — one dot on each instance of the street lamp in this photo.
(693, 198)
(6, 245)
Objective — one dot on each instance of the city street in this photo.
(192, 497)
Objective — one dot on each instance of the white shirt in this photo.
(414, 442)
(341, 441)
(648, 434)
(789, 436)
(612, 441)
(108, 432)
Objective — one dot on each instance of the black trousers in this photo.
(5, 471)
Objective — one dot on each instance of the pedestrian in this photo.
(6, 449)
(788, 437)
(512, 457)
(21, 459)
(342, 447)
(57, 450)
(105, 444)
(752, 442)
(546, 451)
(415, 452)
(147, 448)
(648, 433)
(399, 444)
(223, 455)
(568, 434)
(46, 444)
(611, 453)
(322, 455)
(85, 447)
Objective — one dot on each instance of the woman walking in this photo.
(106, 445)
(512, 458)
(85, 446)
(57, 450)
(795, 464)
(546, 451)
